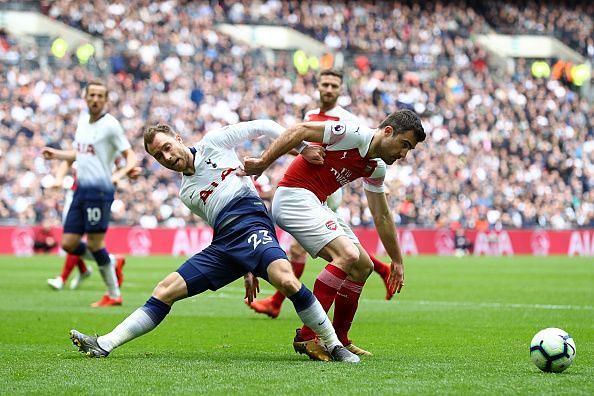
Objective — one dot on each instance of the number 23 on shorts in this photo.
(260, 237)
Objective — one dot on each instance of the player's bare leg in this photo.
(271, 306)
(311, 314)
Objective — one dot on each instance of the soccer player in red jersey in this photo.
(329, 86)
(352, 151)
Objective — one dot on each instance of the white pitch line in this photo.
(226, 295)
(502, 305)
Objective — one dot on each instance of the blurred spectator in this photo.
(43, 239)
(503, 151)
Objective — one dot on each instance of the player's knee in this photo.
(361, 270)
(169, 290)
(288, 284)
(68, 246)
(350, 256)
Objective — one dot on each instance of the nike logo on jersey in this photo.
(192, 195)
(322, 322)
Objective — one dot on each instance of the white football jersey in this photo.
(214, 183)
(97, 145)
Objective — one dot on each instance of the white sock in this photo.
(316, 319)
(110, 279)
(135, 325)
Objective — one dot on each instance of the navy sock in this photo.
(80, 249)
(303, 299)
(102, 257)
(156, 309)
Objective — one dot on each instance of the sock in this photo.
(325, 288)
(140, 322)
(107, 269)
(380, 267)
(312, 315)
(80, 249)
(69, 264)
(82, 267)
(345, 306)
(278, 297)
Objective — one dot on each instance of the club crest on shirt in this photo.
(331, 225)
(339, 129)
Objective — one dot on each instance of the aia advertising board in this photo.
(188, 241)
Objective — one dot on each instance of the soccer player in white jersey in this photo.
(99, 139)
(244, 241)
(352, 151)
(329, 87)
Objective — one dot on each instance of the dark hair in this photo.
(95, 82)
(405, 120)
(152, 130)
(331, 72)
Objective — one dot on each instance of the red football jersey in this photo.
(346, 146)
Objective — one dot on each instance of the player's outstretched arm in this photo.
(308, 131)
(50, 153)
(384, 224)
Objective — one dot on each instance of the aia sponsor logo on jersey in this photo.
(84, 148)
(331, 225)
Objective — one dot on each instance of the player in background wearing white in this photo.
(352, 151)
(244, 241)
(99, 139)
(329, 87)
(71, 261)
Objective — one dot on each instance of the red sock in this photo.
(326, 286)
(278, 297)
(380, 267)
(81, 265)
(347, 301)
(69, 264)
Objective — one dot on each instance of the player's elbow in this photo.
(305, 131)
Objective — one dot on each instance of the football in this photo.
(552, 350)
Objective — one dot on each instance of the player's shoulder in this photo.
(343, 114)
(311, 112)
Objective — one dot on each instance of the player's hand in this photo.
(116, 177)
(134, 173)
(49, 153)
(396, 278)
(314, 154)
(252, 287)
(253, 166)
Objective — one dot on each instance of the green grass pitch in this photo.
(461, 326)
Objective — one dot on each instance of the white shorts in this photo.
(299, 212)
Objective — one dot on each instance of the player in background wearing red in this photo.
(329, 86)
(352, 151)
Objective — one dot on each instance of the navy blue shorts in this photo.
(88, 214)
(248, 244)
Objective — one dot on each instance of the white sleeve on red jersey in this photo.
(375, 182)
(339, 135)
(234, 135)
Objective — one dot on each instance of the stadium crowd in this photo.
(502, 151)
